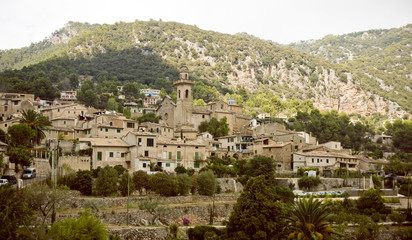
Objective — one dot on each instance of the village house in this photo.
(110, 152)
(14, 103)
(68, 95)
(326, 162)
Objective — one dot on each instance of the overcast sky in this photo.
(283, 21)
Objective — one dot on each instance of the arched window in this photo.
(187, 93)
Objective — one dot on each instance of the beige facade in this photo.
(68, 95)
(110, 152)
(324, 161)
(14, 103)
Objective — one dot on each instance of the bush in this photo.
(120, 169)
(85, 227)
(184, 184)
(164, 184)
(371, 199)
(126, 184)
(206, 183)
(141, 181)
(180, 170)
(198, 232)
(106, 183)
(397, 217)
(308, 182)
(83, 182)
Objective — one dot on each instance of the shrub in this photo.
(184, 184)
(141, 181)
(126, 184)
(370, 199)
(106, 183)
(206, 183)
(308, 182)
(397, 217)
(301, 171)
(164, 184)
(198, 232)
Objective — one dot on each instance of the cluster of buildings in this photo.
(88, 138)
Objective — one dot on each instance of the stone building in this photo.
(13, 103)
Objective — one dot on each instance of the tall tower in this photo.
(183, 112)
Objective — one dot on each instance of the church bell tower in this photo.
(183, 113)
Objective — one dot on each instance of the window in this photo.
(122, 155)
(106, 130)
(130, 125)
(99, 156)
(178, 164)
(139, 141)
(118, 130)
(167, 164)
(178, 93)
(318, 160)
(187, 93)
(196, 165)
(111, 123)
(170, 155)
(101, 129)
(150, 142)
(327, 160)
(196, 155)
(144, 165)
(313, 160)
(178, 155)
(146, 153)
(255, 151)
(111, 154)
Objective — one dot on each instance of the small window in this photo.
(64, 122)
(111, 154)
(178, 164)
(150, 142)
(118, 131)
(327, 160)
(170, 155)
(196, 155)
(99, 156)
(318, 160)
(313, 160)
(122, 155)
(178, 155)
(144, 165)
(196, 165)
(167, 164)
(106, 130)
(146, 153)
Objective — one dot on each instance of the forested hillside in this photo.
(255, 72)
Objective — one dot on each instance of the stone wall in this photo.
(76, 162)
(229, 185)
(327, 183)
(147, 233)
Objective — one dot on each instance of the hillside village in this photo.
(89, 138)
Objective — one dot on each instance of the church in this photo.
(185, 118)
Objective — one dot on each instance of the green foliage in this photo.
(120, 169)
(37, 122)
(257, 214)
(112, 104)
(371, 199)
(127, 113)
(126, 185)
(149, 117)
(401, 132)
(85, 227)
(164, 184)
(218, 128)
(308, 182)
(180, 170)
(20, 135)
(106, 182)
(184, 184)
(141, 181)
(83, 182)
(377, 182)
(20, 156)
(199, 232)
(206, 183)
(14, 212)
(309, 220)
(258, 165)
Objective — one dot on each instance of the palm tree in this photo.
(37, 122)
(309, 220)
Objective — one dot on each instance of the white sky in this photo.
(283, 21)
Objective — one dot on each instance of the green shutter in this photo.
(122, 155)
(196, 165)
(178, 155)
(111, 154)
(99, 156)
(196, 155)
(167, 164)
(170, 155)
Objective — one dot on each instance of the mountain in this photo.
(382, 59)
(150, 53)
